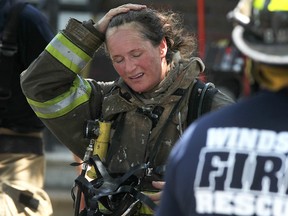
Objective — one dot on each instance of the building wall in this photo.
(217, 26)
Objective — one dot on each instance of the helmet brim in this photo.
(276, 54)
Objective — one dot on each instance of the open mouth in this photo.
(137, 76)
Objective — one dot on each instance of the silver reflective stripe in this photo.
(68, 53)
(79, 93)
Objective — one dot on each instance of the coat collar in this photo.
(181, 75)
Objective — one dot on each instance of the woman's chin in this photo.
(139, 89)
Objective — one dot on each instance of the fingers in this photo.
(123, 9)
(156, 197)
(132, 6)
(103, 23)
(158, 184)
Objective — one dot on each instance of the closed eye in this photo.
(136, 54)
(117, 60)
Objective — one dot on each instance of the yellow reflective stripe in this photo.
(146, 210)
(274, 5)
(78, 94)
(68, 53)
(278, 5)
(259, 4)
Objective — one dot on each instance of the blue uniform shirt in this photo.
(33, 35)
(232, 162)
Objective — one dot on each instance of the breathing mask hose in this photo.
(101, 145)
(87, 155)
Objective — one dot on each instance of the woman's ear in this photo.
(163, 48)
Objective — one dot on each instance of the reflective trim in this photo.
(78, 94)
(274, 5)
(68, 53)
(279, 5)
(259, 4)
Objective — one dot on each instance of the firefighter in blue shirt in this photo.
(234, 161)
(24, 33)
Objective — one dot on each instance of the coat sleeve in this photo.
(220, 100)
(57, 93)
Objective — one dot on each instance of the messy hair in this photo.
(155, 25)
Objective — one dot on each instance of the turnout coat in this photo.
(65, 101)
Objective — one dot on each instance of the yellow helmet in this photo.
(261, 30)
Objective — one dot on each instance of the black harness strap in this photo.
(21, 145)
(101, 189)
(27, 199)
(200, 100)
(156, 147)
(105, 185)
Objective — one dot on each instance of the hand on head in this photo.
(102, 24)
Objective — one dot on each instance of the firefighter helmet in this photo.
(261, 30)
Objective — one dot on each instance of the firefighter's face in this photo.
(140, 64)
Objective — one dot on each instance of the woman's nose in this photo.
(129, 66)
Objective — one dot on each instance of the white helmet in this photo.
(261, 30)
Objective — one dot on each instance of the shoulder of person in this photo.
(32, 14)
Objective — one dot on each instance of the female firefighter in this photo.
(147, 106)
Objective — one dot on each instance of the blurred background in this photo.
(205, 18)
